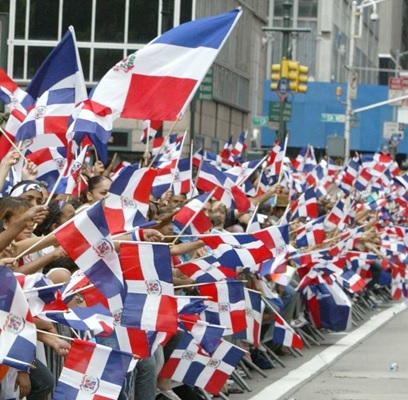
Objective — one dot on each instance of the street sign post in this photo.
(275, 110)
(390, 128)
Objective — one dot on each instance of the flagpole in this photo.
(56, 184)
(205, 283)
(163, 144)
(34, 289)
(192, 218)
(252, 218)
(13, 144)
(284, 155)
(34, 245)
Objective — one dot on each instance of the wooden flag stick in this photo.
(34, 289)
(56, 184)
(192, 218)
(13, 144)
(29, 249)
(55, 334)
(202, 284)
(164, 142)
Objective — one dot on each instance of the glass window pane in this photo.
(143, 30)
(20, 19)
(36, 56)
(186, 9)
(110, 21)
(84, 55)
(104, 60)
(167, 15)
(18, 62)
(78, 13)
(308, 8)
(44, 19)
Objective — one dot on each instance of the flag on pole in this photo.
(157, 82)
(92, 371)
(190, 365)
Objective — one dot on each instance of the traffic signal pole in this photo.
(286, 30)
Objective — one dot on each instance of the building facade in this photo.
(109, 30)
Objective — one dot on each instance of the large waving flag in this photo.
(58, 85)
(159, 81)
(87, 240)
(190, 365)
(92, 371)
(18, 335)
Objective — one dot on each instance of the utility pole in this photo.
(286, 30)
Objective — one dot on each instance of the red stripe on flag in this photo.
(156, 97)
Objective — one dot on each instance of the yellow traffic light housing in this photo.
(297, 75)
(275, 75)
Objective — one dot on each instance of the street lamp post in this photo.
(352, 76)
(350, 62)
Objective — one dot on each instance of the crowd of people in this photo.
(354, 233)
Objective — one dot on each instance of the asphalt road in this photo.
(345, 366)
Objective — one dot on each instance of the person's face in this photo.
(100, 191)
(67, 212)
(34, 197)
(153, 211)
(26, 233)
(207, 209)
(177, 201)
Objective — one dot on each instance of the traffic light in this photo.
(275, 75)
(278, 71)
(297, 75)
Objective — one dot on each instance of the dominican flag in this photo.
(190, 305)
(206, 269)
(41, 293)
(239, 147)
(226, 151)
(208, 336)
(97, 319)
(58, 85)
(93, 120)
(351, 281)
(19, 103)
(276, 239)
(87, 240)
(192, 218)
(92, 371)
(240, 173)
(311, 233)
(227, 304)
(181, 176)
(284, 334)
(50, 162)
(139, 342)
(254, 308)
(275, 159)
(298, 163)
(18, 334)
(156, 82)
(150, 303)
(150, 129)
(328, 306)
(305, 205)
(240, 250)
(128, 202)
(71, 174)
(190, 365)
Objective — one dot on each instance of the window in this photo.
(185, 11)
(78, 13)
(43, 20)
(110, 21)
(143, 30)
(120, 140)
(35, 57)
(20, 19)
(18, 62)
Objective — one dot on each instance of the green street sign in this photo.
(332, 118)
(205, 90)
(275, 110)
(260, 120)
